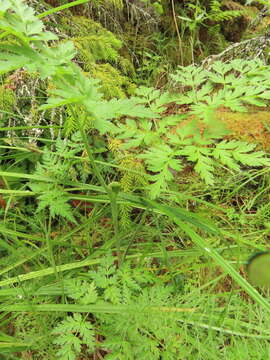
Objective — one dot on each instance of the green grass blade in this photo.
(62, 7)
(173, 214)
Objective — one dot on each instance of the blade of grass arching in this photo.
(118, 309)
(99, 308)
(231, 322)
(188, 197)
(200, 242)
(14, 233)
(79, 186)
(15, 128)
(58, 241)
(13, 346)
(83, 263)
(96, 308)
(20, 262)
(223, 330)
(62, 7)
(17, 192)
(25, 176)
(185, 215)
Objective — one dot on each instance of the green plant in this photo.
(132, 333)
(201, 16)
(58, 166)
(72, 333)
(151, 300)
(199, 136)
(237, 88)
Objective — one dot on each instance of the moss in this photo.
(7, 98)
(7, 101)
(97, 49)
(126, 66)
(113, 84)
(252, 126)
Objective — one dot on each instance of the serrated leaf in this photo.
(129, 107)
(252, 159)
(224, 155)
(204, 167)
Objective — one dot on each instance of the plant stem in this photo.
(111, 194)
(178, 33)
(50, 246)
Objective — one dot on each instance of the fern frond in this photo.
(71, 334)
(218, 14)
(93, 48)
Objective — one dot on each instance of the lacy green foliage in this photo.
(82, 26)
(35, 329)
(233, 85)
(138, 333)
(132, 177)
(73, 333)
(218, 13)
(113, 84)
(141, 333)
(84, 91)
(57, 167)
(7, 101)
(19, 19)
(145, 129)
(21, 22)
(119, 285)
(132, 174)
(142, 330)
(94, 48)
(95, 44)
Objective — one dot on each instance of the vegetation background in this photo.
(134, 179)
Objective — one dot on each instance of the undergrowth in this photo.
(127, 221)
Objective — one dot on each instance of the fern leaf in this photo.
(204, 165)
(161, 160)
(231, 152)
(57, 202)
(223, 153)
(72, 333)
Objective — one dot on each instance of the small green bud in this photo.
(115, 187)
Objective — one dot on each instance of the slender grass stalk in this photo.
(50, 246)
(110, 192)
(87, 262)
(62, 7)
(210, 252)
(13, 128)
(97, 308)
